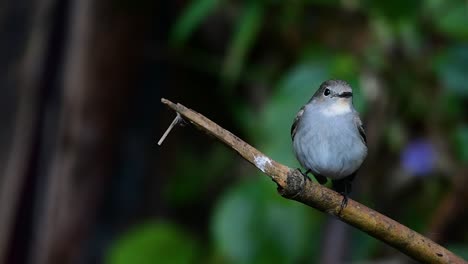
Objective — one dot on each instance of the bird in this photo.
(328, 137)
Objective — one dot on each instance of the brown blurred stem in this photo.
(449, 221)
(23, 154)
(100, 62)
(292, 185)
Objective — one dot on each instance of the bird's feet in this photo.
(343, 187)
(344, 202)
(306, 178)
(320, 179)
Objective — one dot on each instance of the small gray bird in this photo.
(328, 137)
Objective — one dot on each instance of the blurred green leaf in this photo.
(154, 242)
(344, 66)
(418, 210)
(451, 107)
(362, 245)
(449, 17)
(291, 13)
(373, 56)
(187, 185)
(325, 2)
(411, 39)
(385, 36)
(395, 136)
(451, 67)
(247, 29)
(253, 224)
(460, 250)
(461, 143)
(395, 10)
(190, 19)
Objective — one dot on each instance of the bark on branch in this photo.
(291, 185)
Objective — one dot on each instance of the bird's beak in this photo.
(345, 94)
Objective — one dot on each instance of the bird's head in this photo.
(334, 97)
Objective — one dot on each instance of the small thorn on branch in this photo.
(176, 121)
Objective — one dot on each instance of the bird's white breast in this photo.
(338, 108)
(329, 146)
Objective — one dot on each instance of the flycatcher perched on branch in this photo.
(328, 137)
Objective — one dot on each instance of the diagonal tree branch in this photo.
(292, 185)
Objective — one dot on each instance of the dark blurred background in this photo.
(83, 181)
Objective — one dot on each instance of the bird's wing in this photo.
(360, 128)
(296, 122)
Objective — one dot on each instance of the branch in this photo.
(292, 185)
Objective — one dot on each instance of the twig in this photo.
(292, 185)
(176, 120)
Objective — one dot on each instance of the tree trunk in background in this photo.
(101, 49)
(103, 43)
(335, 242)
(22, 162)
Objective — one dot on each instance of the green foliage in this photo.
(461, 142)
(252, 224)
(459, 249)
(395, 10)
(190, 19)
(187, 184)
(449, 17)
(154, 242)
(451, 106)
(395, 136)
(452, 66)
(362, 245)
(247, 29)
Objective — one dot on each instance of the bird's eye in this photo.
(326, 92)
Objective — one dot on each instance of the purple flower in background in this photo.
(418, 158)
